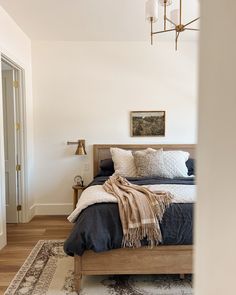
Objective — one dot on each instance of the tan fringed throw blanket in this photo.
(140, 211)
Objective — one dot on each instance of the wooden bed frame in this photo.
(158, 260)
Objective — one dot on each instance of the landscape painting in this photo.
(147, 123)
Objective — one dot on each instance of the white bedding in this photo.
(96, 194)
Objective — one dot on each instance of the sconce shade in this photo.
(81, 148)
(152, 10)
(174, 16)
(80, 151)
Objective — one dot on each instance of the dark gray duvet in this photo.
(98, 227)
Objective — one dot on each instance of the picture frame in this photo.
(147, 123)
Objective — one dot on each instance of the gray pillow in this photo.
(149, 162)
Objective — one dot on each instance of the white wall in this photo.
(216, 206)
(86, 90)
(17, 46)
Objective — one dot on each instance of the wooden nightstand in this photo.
(77, 192)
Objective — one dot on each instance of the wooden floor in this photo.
(21, 240)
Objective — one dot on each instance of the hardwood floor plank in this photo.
(21, 239)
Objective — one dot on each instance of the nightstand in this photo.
(77, 192)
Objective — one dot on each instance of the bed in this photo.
(163, 259)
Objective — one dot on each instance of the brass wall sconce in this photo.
(175, 20)
(80, 148)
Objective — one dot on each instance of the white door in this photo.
(10, 145)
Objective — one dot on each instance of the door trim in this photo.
(24, 215)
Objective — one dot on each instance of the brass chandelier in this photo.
(175, 20)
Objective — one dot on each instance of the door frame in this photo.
(19, 73)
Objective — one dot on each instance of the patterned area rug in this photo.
(48, 270)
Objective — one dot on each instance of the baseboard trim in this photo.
(51, 209)
(31, 213)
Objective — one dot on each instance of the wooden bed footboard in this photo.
(158, 260)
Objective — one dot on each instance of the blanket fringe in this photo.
(134, 236)
(163, 202)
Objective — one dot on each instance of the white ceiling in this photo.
(90, 20)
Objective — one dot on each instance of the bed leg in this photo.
(181, 276)
(78, 273)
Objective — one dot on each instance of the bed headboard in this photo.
(102, 151)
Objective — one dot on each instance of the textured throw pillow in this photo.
(149, 162)
(123, 162)
(175, 164)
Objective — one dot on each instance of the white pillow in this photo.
(174, 164)
(123, 162)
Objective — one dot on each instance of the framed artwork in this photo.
(147, 123)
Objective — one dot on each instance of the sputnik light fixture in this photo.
(175, 20)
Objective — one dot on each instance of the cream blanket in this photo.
(96, 194)
(140, 210)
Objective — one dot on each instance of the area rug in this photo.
(48, 270)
